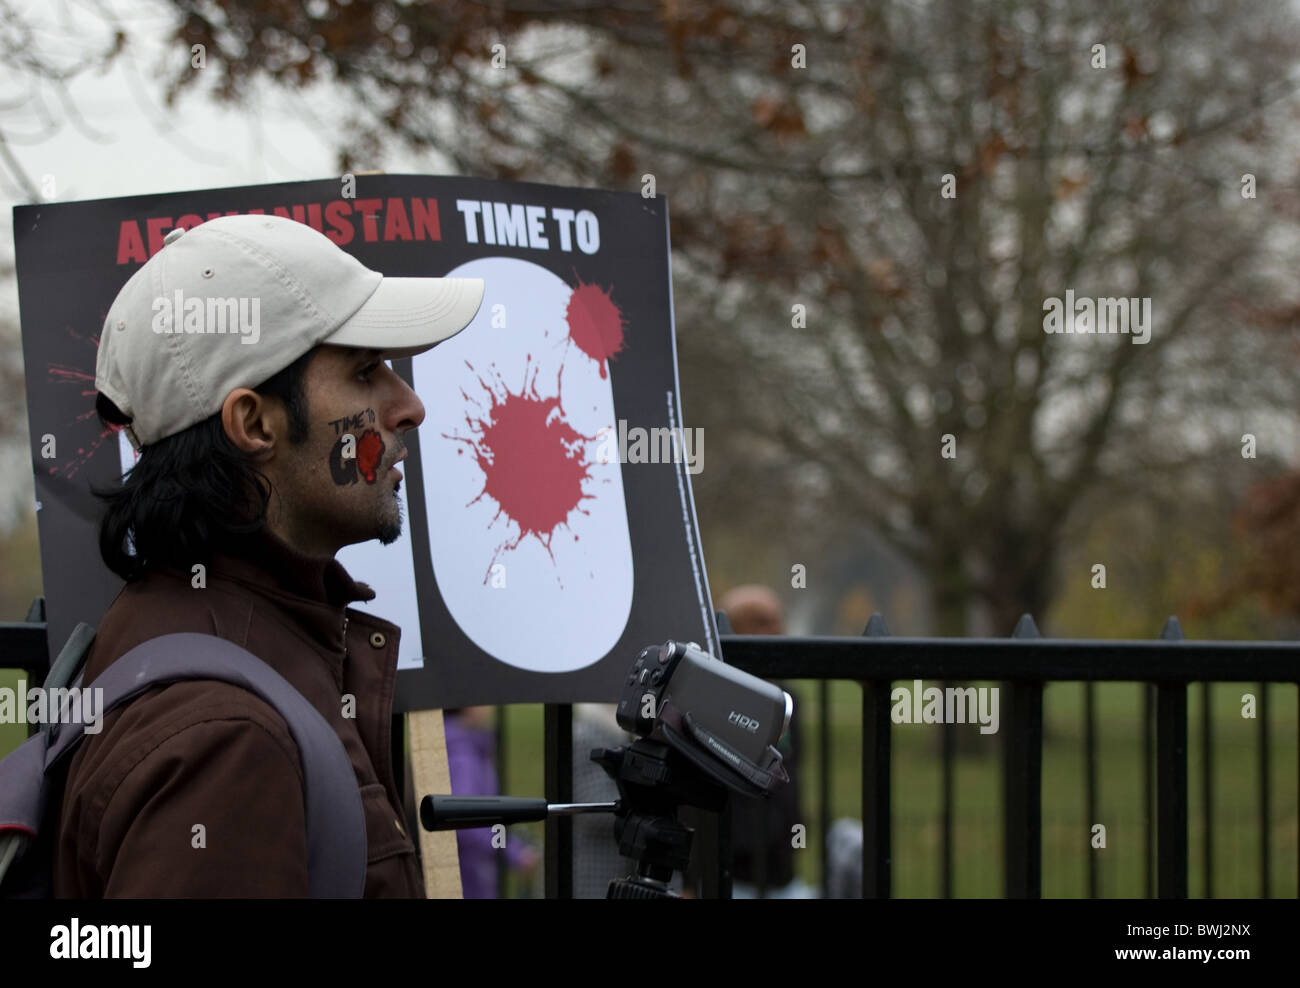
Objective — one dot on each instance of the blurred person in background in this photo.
(596, 860)
(471, 759)
(762, 829)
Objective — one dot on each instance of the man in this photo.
(761, 829)
(247, 362)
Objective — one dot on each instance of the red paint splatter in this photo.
(72, 374)
(595, 323)
(534, 462)
(370, 452)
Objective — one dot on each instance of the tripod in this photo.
(653, 780)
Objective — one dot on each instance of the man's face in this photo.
(340, 485)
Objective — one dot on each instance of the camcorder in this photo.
(725, 721)
(703, 729)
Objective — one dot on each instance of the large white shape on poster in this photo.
(528, 525)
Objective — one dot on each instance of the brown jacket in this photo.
(209, 754)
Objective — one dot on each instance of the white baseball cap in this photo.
(237, 299)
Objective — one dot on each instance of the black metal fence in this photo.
(1023, 664)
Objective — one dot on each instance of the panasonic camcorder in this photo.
(724, 719)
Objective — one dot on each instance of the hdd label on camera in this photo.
(744, 723)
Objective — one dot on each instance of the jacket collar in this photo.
(310, 592)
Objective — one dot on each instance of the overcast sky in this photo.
(131, 145)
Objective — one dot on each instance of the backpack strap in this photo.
(22, 771)
(336, 827)
(70, 660)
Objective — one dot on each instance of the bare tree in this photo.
(872, 204)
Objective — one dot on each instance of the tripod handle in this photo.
(456, 812)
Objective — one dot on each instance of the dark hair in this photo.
(193, 490)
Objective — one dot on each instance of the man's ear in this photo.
(253, 423)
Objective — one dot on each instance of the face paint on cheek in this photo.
(348, 449)
(370, 454)
(343, 460)
(354, 422)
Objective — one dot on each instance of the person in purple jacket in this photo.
(471, 745)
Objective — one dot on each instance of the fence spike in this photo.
(1172, 631)
(1025, 627)
(876, 627)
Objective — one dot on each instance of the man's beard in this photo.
(390, 524)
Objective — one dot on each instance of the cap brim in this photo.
(406, 316)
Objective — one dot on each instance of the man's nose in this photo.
(408, 409)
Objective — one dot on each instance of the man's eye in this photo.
(366, 371)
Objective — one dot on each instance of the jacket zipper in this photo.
(345, 637)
